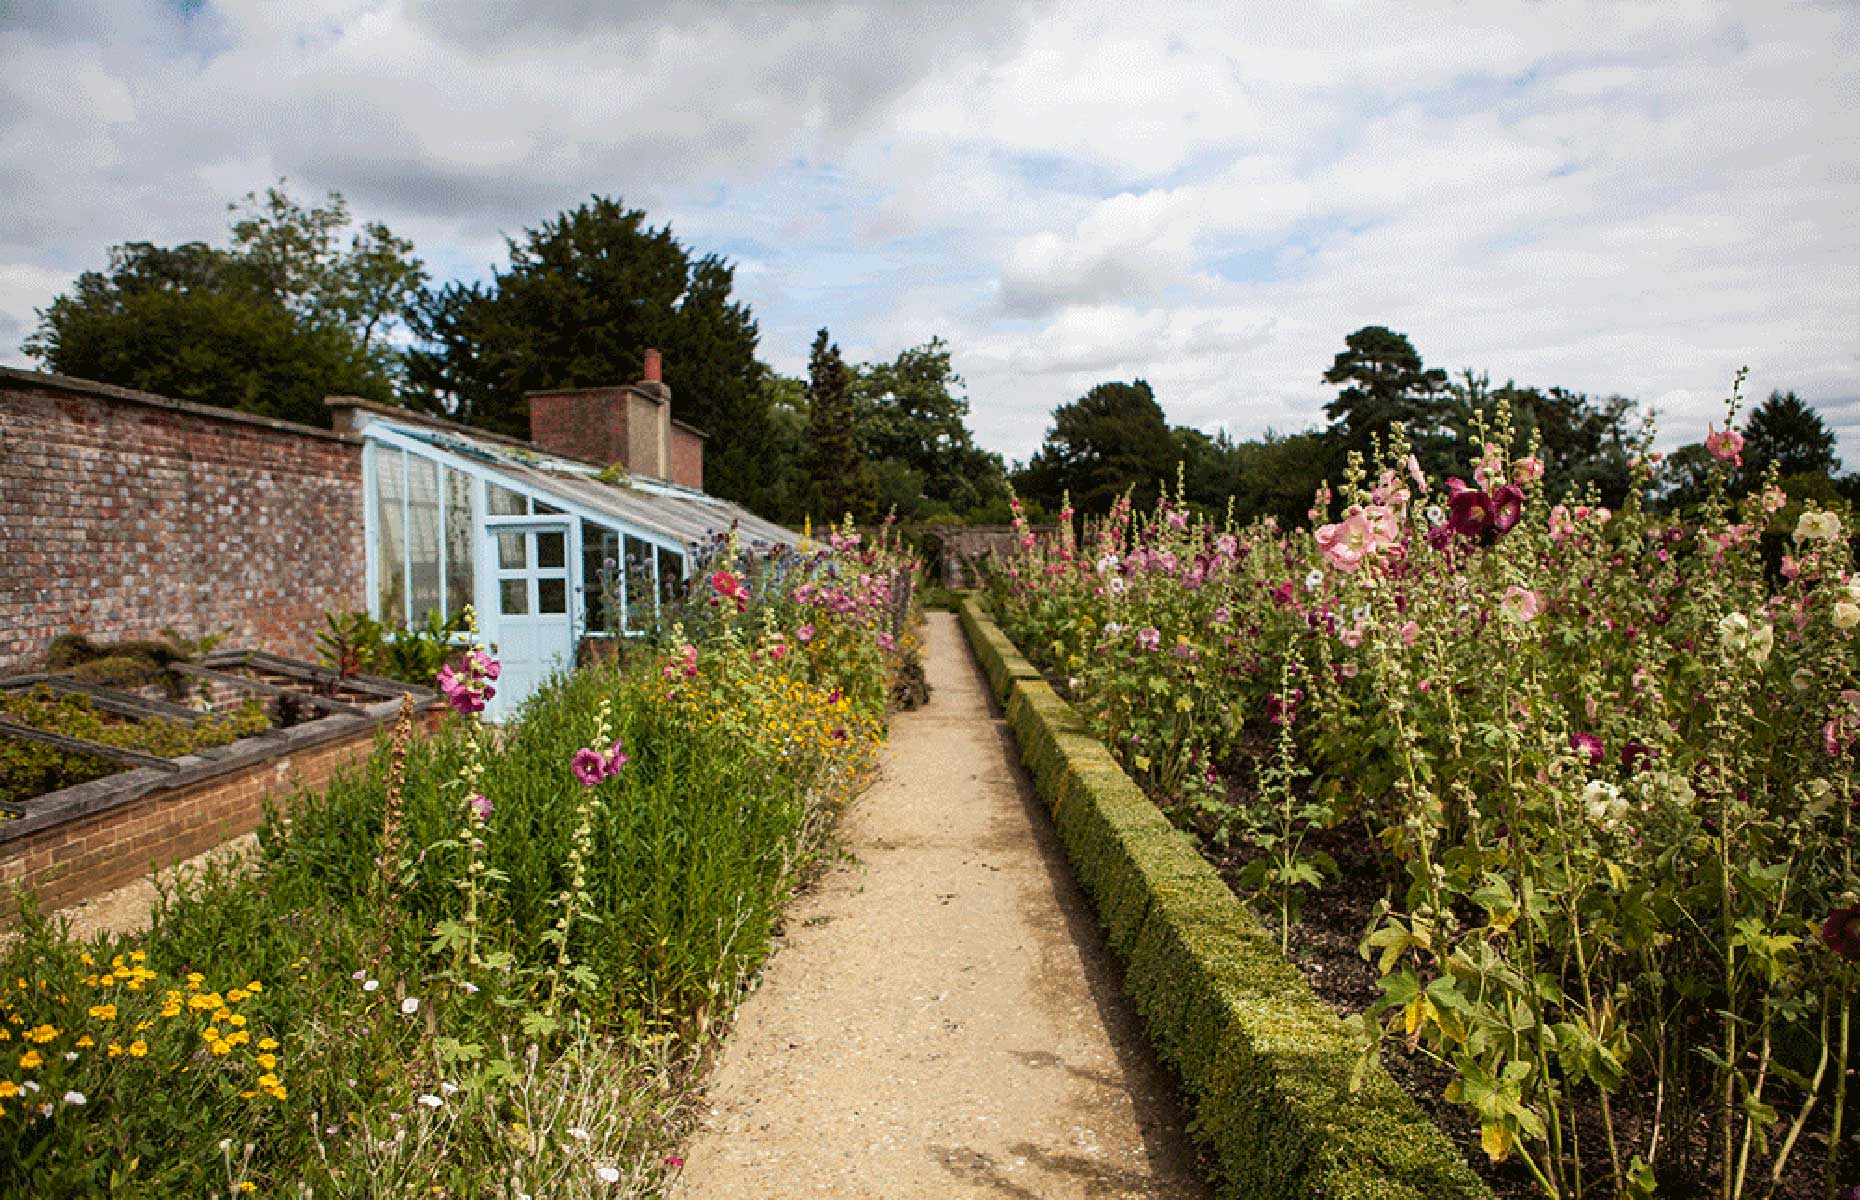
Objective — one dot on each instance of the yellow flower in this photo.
(220, 1048)
(86, 959)
(267, 1081)
(31, 1060)
(235, 1020)
(41, 1034)
(103, 1012)
(8, 1088)
(86, 1042)
(239, 1038)
(236, 995)
(278, 1093)
(267, 1044)
(138, 956)
(255, 987)
(248, 1095)
(144, 1026)
(268, 1061)
(115, 1050)
(138, 1049)
(248, 1186)
(210, 1033)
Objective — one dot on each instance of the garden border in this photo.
(1264, 1062)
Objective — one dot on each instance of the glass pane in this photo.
(514, 597)
(390, 542)
(671, 574)
(459, 542)
(423, 534)
(513, 550)
(639, 608)
(505, 503)
(552, 595)
(599, 547)
(546, 508)
(551, 550)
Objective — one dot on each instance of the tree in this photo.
(841, 482)
(1583, 442)
(585, 295)
(912, 421)
(1383, 382)
(1788, 432)
(194, 323)
(1112, 438)
(270, 325)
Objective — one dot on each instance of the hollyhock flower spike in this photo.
(1527, 470)
(1817, 526)
(612, 760)
(1521, 604)
(480, 805)
(1469, 509)
(1589, 744)
(1507, 508)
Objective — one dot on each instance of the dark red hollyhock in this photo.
(1842, 932)
(1507, 505)
(1633, 755)
(1469, 510)
(1589, 744)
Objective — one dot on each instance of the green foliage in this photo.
(35, 768)
(842, 482)
(269, 326)
(1789, 433)
(1111, 440)
(912, 416)
(1383, 384)
(354, 643)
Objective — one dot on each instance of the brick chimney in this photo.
(628, 424)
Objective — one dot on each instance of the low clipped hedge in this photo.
(1266, 1065)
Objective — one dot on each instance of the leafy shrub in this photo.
(34, 768)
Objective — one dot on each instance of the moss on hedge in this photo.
(1265, 1063)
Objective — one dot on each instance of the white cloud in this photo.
(1616, 198)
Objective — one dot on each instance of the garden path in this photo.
(943, 1019)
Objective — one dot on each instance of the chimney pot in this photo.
(654, 367)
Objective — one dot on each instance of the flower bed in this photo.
(489, 969)
(1600, 762)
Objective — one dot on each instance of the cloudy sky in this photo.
(1614, 198)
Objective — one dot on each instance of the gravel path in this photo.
(943, 1019)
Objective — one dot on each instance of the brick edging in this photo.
(1266, 1065)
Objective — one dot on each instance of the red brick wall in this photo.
(94, 854)
(121, 518)
(687, 458)
(588, 425)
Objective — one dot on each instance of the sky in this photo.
(1614, 198)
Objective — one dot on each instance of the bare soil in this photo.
(942, 1018)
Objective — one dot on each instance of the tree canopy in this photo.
(1785, 431)
(1382, 382)
(284, 316)
(1112, 438)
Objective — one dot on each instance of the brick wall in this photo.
(122, 515)
(687, 457)
(98, 852)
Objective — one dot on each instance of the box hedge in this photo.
(1265, 1064)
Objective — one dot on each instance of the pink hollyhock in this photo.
(1149, 637)
(1410, 633)
(1507, 508)
(1560, 524)
(612, 760)
(467, 686)
(589, 766)
(1415, 473)
(805, 634)
(1527, 470)
(1726, 445)
(1351, 638)
(1346, 543)
(1589, 744)
(1521, 604)
(886, 642)
(480, 805)
(729, 587)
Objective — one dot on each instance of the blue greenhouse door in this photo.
(534, 636)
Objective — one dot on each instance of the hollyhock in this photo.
(1725, 446)
(1846, 614)
(1410, 633)
(1527, 470)
(1469, 509)
(1415, 473)
(1149, 637)
(1352, 637)
(480, 805)
(1348, 542)
(1561, 526)
(612, 760)
(1604, 804)
(1507, 507)
(1841, 932)
(1589, 744)
(1634, 755)
(1521, 604)
(589, 766)
(467, 687)
(1817, 526)
(729, 587)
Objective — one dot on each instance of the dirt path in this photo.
(944, 1019)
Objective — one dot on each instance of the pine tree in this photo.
(841, 481)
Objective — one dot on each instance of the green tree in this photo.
(841, 481)
(194, 322)
(585, 295)
(913, 427)
(285, 315)
(1112, 438)
(1787, 431)
(1383, 381)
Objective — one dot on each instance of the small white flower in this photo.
(1735, 629)
(76, 1098)
(1113, 629)
(1604, 803)
(1434, 515)
(431, 1101)
(470, 989)
(71, 1056)
(1846, 614)
(1117, 586)
(1107, 564)
(1314, 580)
(409, 1006)
(578, 1133)
(371, 985)
(359, 976)
(450, 1089)
(607, 1174)
(1360, 613)
(29, 1085)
